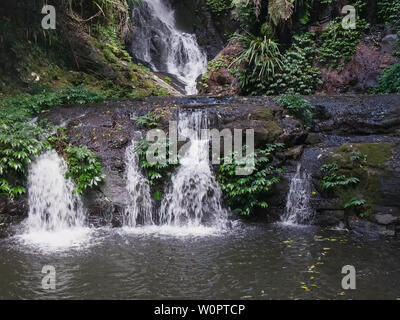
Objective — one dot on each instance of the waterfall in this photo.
(158, 42)
(194, 197)
(140, 205)
(52, 204)
(298, 209)
(56, 215)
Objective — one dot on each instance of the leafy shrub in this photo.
(389, 81)
(149, 120)
(338, 44)
(296, 73)
(245, 193)
(258, 60)
(83, 167)
(161, 168)
(355, 204)
(219, 6)
(23, 107)
(297, 105)
(19, 142)
(332, 179)
(389, 12)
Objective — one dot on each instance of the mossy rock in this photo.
(368, 163)
(263, 114)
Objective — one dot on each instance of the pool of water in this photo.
(250, 261)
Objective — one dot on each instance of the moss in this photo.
(376, 154)
(264, 114)
(367, 162)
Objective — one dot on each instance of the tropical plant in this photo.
(19, 143)
(259, 59)
(338, 44)
(160, 168)
(332, 179)
(245, 193)
(389, 81)
(149, 120)
(297, 105)
(84, 168)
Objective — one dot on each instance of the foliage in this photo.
(219, 6)
(280, 10)
(258, 60)
(22, 139)
(389, 81)
(23, 107)
(338, 44)
(83, 167)
(296, 75)
(149, 120)
(297, 105)
(354, 202)
(332, 179)
(389, 12)
(19, 142)
(245, 193)
(160, 169)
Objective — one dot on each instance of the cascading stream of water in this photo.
(157, 41)
(298, 209)
(140, 205)
(194, 197)
(52, 204)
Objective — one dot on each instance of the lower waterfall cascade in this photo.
(194, 197)
(158, 42)
(298, 209)
(53, 206)
(140, 205)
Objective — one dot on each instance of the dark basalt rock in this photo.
(108, 129)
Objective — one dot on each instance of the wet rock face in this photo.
(369, 123)
(219, 79)
(362, 72)
(195, 17)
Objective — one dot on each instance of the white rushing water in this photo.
(140, 205)
(157, 41)
(298, 209)
(56, 214)
(194, 197)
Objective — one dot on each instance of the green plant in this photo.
(261, 55)
(149, 120)
(245, 193)
(389, 12)
(160, 168)
(19, 142)
(21, 139)
(219, 6)
(296, 74)
(332, 179)
(84, 167)
(338, 44)
(389, 81)
(297, 105)
(355, 204)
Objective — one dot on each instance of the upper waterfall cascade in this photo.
(194, 197)
(52, 204)
(158, 42)
(298, 209)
